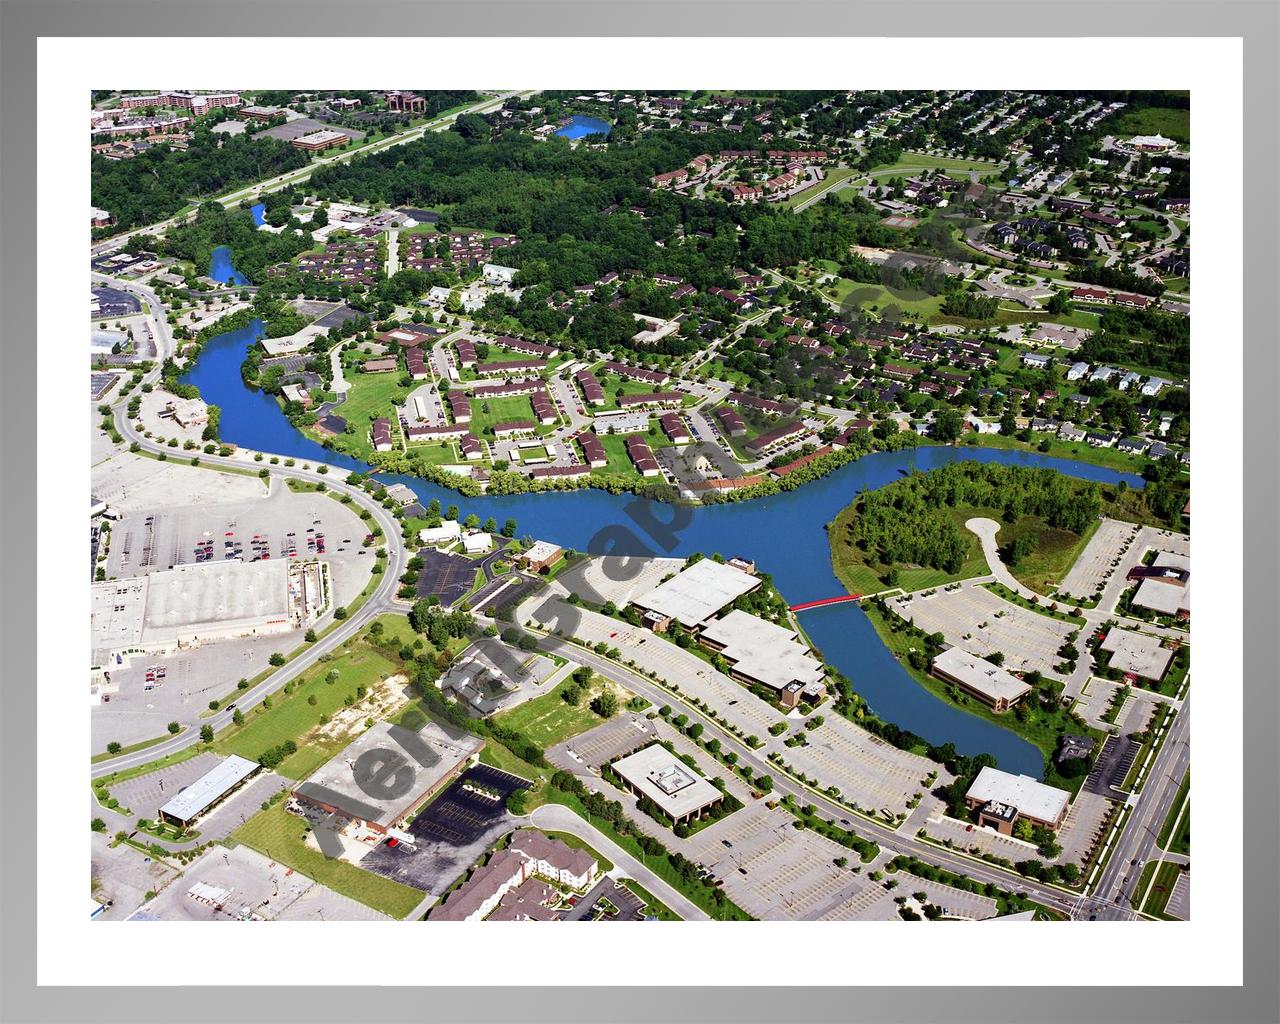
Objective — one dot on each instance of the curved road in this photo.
(379, 601)
(559, 818)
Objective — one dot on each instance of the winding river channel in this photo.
(784, 534)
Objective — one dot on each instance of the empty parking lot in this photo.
(982, 623)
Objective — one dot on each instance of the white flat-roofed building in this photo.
(207, 790)
(437, 753)
(1169, 597)
(695, 594)
(762, 652)
(189, 604)
(448, 532)
(477, 543)
(680, 792)
(992, 685)
(1004, 798)
(1137, 654)
(401, 494)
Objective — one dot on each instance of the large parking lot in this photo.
(122, 876)
(281, 526)
(650, 651)
(607, 742)
(139, 708)
(870, 772)
(982, 623)
(619, 580)
(242, 885)
(132, 483)
(1099, 559)
(451, 833)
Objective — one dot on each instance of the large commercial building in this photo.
(996, 688)
(694, 595)
(325, 138)
(655, 772)
(1137, 654)
(435, 755)
(190, 604)
(208, 790)
(770, 655)
(1003, 799)
(1168, 594)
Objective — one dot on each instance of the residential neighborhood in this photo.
(627, 505)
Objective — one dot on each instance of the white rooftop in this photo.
(667, 781)
(1137, 653)
(765, 652)
(541, 550)
(229, 772)
(979, 674)
(698, 592)
(1031, 798)
(448, 530)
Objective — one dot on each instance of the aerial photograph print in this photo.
(629, 505)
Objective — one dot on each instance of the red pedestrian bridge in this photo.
(825, 601)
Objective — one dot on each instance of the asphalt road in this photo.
(559, 818)
(1117, 886)
(302, 174)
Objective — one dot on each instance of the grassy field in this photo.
(1078, 450)
(488, 411)
(1171, 122)
(831, 177)
(910, 161)
(292, 716)
(279, 835)
(550, 719)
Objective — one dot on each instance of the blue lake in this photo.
(222, 269)
(580, 126)
(783, 533)
(257, 211)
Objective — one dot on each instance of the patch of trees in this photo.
(159, 182)
(214, 225)
(908, 522)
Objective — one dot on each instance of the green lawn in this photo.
(488, 411)
(279, 835)
(293, 717)
(615, 447)
(916, 161)
(613, 384)
(653, 905)
(1077, 450)
(1166, 876)
(1171, 122)
(1181, 841)
(549, 719)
